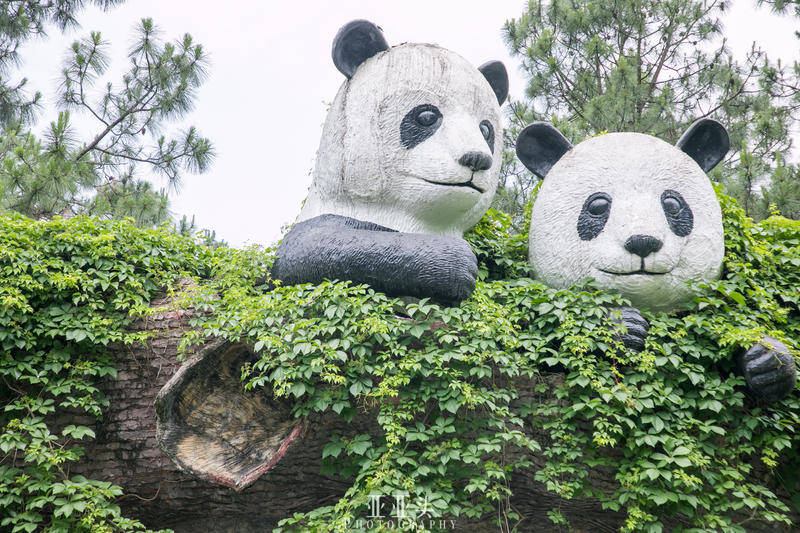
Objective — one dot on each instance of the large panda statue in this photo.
(640, 217)
(409, 160)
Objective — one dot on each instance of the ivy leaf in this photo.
(737, 297)
(452, 405)
(660, 499)
(332, 449)
(360, 447)
(77, 432)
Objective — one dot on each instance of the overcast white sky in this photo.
(271, 75)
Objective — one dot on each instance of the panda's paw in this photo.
(635, 327)
(464, 271)
(769, 369)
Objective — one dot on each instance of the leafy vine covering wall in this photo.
(521, 385)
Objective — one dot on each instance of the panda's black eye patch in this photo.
(419, 124)
(487, 130)
(594, 215)
(679, 216)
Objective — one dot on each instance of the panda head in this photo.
(635, 213)
(413, 138)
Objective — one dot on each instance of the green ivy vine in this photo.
(464, 397)
(67, 292)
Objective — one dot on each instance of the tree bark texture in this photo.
(274, 480)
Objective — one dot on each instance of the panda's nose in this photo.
(643, 245)
(476, 161)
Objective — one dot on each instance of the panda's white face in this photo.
(412, 143)
(633, 212)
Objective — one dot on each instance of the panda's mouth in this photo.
(468, 184)
(637, 272)
(641, 271)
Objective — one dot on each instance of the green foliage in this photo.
(99, 171)
(67, 289)
(783, 194)
(464, 397)
(653, 67)
(21, 20)
(782, 6)
(451, 387)
(501, 249)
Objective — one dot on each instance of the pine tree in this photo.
(21, 20)
(783, 193)
(105, 173)
(783, 6)
(653, 67)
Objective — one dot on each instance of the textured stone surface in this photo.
(409, 160)
(572, 237)
(157, 490)
(769, 369)
(400, 264)
(210, 426)
(636, 327)
(162, 495)
(640, 217)
(365, 171)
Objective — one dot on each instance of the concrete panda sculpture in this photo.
(409, 160)
(640, 217)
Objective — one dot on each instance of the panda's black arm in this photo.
(768, 369)
(636, 327)
(399, 264)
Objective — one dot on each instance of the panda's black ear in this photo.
(495, 73)
(706, 141)
(540, 146)
(355, 42)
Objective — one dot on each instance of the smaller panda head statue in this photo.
(412, 141)
(635, 213)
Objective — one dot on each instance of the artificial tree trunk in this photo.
(236, 461)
